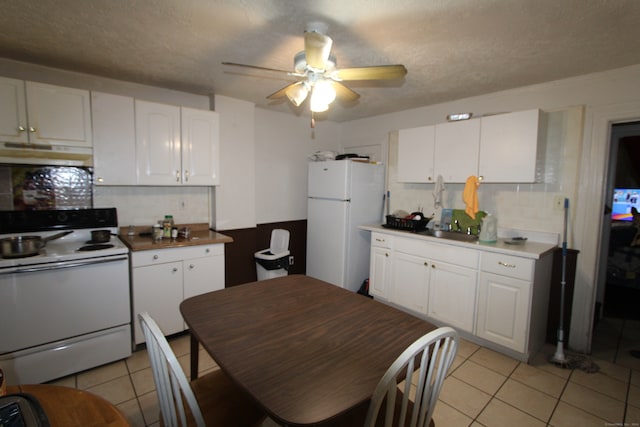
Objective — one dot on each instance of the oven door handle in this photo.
(49, 267)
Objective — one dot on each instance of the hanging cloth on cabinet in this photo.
(470, 196)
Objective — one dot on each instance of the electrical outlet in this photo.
(558, 203)
(291, 260)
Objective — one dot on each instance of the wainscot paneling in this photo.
(240, 265)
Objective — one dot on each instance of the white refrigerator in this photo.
(343, 194)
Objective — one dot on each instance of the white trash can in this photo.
(274, 262)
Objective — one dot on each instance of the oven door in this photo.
(44, 303)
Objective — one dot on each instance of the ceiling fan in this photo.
(316, 73)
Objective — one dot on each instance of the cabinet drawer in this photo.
(438, 252)
(507, 265)
(159, 256)
(381, 240)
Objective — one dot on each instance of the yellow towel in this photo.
(470, 196)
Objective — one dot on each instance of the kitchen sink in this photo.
(451, 235)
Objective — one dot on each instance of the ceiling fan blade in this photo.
(344, 93)
(317, 48)
(255, 67)
(281, 93)
(379, 72)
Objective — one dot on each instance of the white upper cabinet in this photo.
(176, 146)
(13, 111)
(114, 139)
(456, 150)
(200, 147)
(39, 113)
(415, 154)
(500, 149)
(508, 147)
(158, 143)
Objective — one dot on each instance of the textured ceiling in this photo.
(451, 48)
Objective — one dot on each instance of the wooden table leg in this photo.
(194, 357)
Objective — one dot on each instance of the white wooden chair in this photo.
(394, 403)
(213, 400)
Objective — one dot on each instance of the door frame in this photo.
(594, 166)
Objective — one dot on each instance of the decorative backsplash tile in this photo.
(27, 187)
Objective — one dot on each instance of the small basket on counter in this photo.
(407, 224)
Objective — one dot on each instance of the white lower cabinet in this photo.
(380, 270)
(504, 300)
(426, 278)
(411, 277)
(503, 310)
(163, 278)
(501, 299)
(452, 295)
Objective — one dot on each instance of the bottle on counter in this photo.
(157, 232)
(167, 225)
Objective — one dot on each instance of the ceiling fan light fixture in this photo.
(298, 93)
(323, 93)
(318, 107)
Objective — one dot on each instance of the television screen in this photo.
(623, 200)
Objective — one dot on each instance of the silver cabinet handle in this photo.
(191, 266)
(32, 129)
(186, 175)
(177, 176)
(504, 264)
(206, 251)
(155, 257)
(21, 128)
(380, 240)
(174, 270)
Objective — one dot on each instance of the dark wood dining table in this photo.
(70, 407)
(305, 350)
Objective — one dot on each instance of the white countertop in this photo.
(528, 249)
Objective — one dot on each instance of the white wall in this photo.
(235, 202)
(283, 145)
(583, 165)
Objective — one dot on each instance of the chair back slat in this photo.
(171, 382)
(435, 352)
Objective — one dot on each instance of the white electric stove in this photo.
(68, 306)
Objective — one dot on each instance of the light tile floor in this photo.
(484, 388)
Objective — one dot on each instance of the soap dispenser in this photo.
(489, 230)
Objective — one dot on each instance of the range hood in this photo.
(45, 154)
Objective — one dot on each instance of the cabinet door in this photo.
(114, 140)
(410, 282)
(157, 289)
(416, 154)
(200, 147)
(456, 150)
(13, 111)
(203, 275)
(452, 295)
(503, 310)
(59, 115)
(380, 272)
(158, 144)
(508, 147)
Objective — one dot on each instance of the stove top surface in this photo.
(71, 247)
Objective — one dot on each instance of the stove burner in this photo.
(95, 247)
(20, 256)
(95, 242)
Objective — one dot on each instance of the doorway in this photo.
(618, 295)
